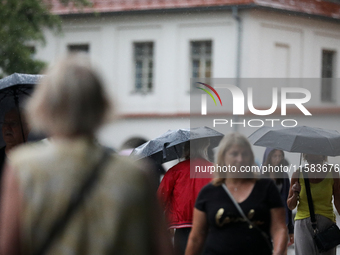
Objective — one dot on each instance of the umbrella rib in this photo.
(3, 97)
(25, 93)
(298, 134)
(329, 143)
(330, 146)
(294, 141)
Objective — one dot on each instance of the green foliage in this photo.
(22, 22)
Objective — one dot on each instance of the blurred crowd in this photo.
(67, 194)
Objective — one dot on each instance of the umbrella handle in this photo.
(164, 150)
(16, 101)
(176, 152)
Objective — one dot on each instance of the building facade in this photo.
(147, 51)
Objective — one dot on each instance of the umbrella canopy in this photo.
(15, 81)
(303, 139)
(14, 90)
(169, 146)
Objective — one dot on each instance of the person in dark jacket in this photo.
(178, 191)
(273, 157)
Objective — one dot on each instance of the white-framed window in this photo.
(85, 48)
(201, 59)
(327, 73)
(143, 62)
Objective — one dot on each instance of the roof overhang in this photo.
(310, 8)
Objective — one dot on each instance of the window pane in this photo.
(208, 48)
(149, 49)
(327, 73)
(208, 69)
(327, 63)
(138, 74)
(326, 90)
(195, 48)
(195, 69)
(149, 85)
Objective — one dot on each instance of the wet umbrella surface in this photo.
(14, 91)
(303, 139)
(169, 146)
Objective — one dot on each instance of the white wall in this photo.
(274, 46)
(111, 46)
(304, 39)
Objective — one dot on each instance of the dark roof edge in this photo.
(156, 11)
(200, 9)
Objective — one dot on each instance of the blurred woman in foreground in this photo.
(217, 222)
(118, 215)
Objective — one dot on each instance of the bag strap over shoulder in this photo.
(310, 201)
(239, 209)
(76, 199)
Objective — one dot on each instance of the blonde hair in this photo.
(226, 143)
(69, 100)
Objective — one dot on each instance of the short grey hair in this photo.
(70, 99)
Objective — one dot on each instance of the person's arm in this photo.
(294, 191)
(198, 233)
(278, 230)
(10, 214)
(336, 191)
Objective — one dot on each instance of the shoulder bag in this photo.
(328, 238)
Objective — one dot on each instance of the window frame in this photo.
(202, 57)
(327, 89)
(147, 66)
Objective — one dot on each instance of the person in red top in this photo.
(178, 191)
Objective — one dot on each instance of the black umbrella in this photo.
(14, 90)
(303, 139)
(169, 146)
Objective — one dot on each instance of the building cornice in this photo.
(315, 111)
(318, 8)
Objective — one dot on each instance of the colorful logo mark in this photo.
(209, 93)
